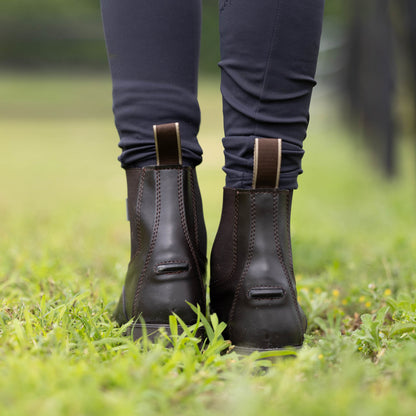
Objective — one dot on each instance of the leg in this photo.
(153, 49)
(269, 51)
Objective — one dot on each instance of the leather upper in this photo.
(168, 241)
(252, 285)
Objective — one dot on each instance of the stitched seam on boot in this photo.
(138, 205)
(280, 256)
(124, 304)
(194, 209)
(185, 228)
(248, 262)
(288, 210)
(138, 219)
(151, 247)
(288, 205)
(138, 211)
(235, 238)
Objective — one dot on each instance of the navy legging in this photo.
(269, 50)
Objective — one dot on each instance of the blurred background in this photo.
(65, 241)
(367, 63)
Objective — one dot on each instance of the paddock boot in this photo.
(168, 240)
(252, 284)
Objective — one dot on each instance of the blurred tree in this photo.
(370, 78)
(57, 34)
(381, 42)
(61, 34)
(45, 33)
(406, 12)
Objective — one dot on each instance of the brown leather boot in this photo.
(168, 240)
(252, 284)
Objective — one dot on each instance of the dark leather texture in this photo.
(168, 246)
(252, 284)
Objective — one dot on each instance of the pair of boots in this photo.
(252, 283)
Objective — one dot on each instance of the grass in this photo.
(64, 250)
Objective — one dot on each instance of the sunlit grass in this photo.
(64, 250)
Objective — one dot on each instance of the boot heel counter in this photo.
(164, 289)
(266, 324)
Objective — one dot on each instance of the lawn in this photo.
(64, 251)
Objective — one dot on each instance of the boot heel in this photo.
(249, 350)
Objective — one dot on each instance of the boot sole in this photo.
(290, 351)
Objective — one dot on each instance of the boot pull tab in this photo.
(168, 144)
(267, 162)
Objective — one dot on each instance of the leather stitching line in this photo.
(288, 204)
(280, 256)
(194, 209)
(138, 210)
(249, 258)
(185, 228)
(151, 247)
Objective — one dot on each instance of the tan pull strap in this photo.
(267, 162)
(168, 144)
